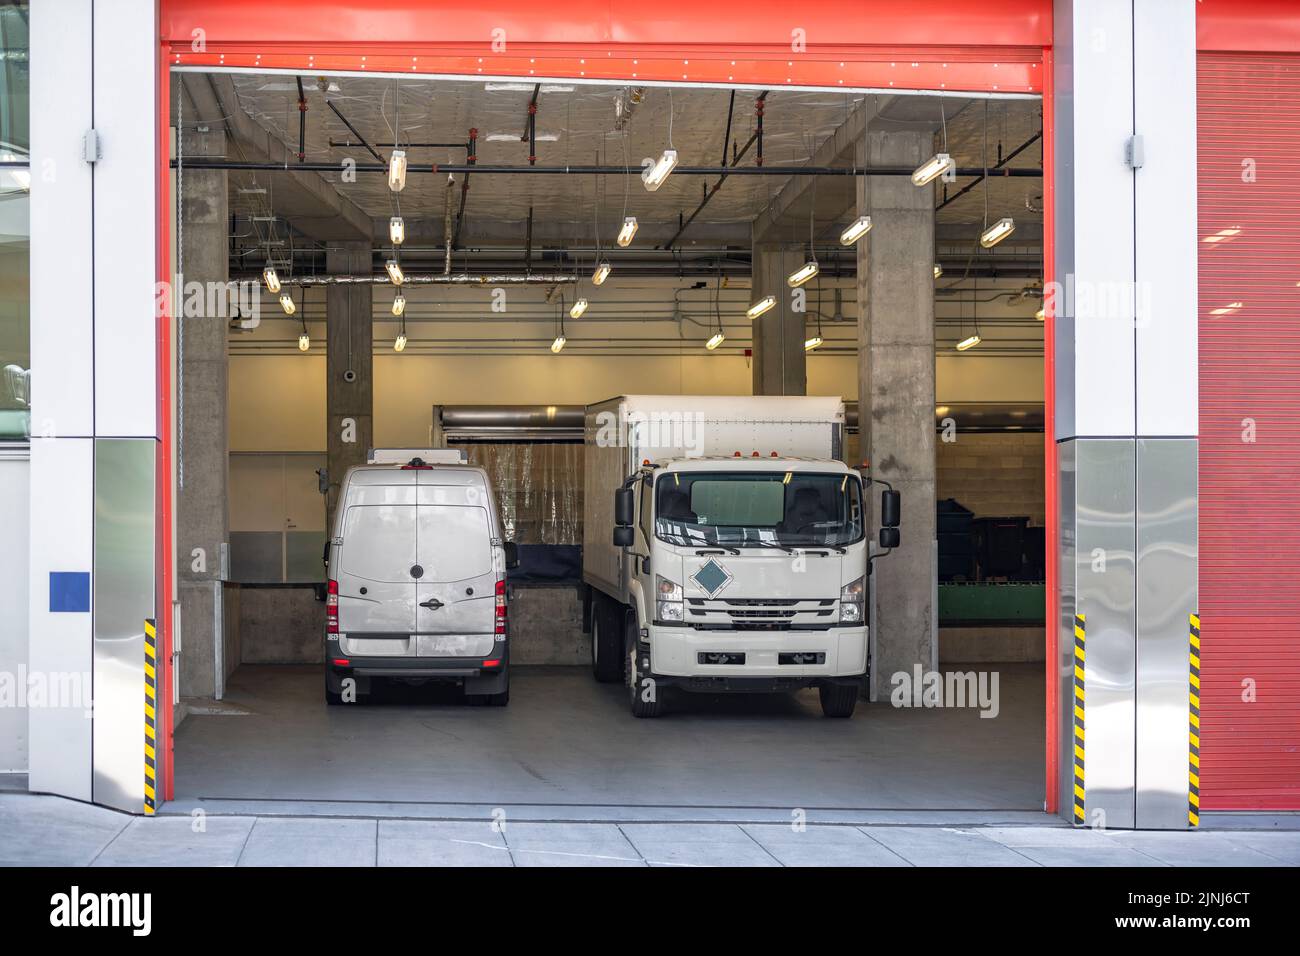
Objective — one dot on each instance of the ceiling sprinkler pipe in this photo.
(460, 278)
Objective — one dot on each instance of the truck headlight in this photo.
(852, 596)
(669, 600)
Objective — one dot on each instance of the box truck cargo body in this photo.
(724, 547)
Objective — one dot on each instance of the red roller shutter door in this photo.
(1248, 165)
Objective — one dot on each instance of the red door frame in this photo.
(1002, 46)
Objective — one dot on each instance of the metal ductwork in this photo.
(508, 422)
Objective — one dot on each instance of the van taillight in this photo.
(331, 607)
(501, 607)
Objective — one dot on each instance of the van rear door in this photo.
(456, 610)
(377, 586)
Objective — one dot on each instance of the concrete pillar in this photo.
(780, 366)
(349, 388)
(202, 518)
(896, 393)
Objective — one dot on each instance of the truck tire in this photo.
(632, 678)
(838, 700)
(606, 643)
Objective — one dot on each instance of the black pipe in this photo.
(726, 137)
(1010, 156)
(302, 122)
(532, 126)
(382, 167)
(471, 157)
(721, 179)
(528, 243)
(345, 145)
(353, 130)
(758, 109)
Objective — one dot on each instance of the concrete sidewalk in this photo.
(51, 831)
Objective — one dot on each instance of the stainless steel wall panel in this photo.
(124, 598)
(1066, 453)
(1166, 595)
(1105, 581)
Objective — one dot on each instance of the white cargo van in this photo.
(725, 547)
(416, 587)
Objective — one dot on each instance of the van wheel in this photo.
(606, 664)
(633, 678)
(838, 700)
(332, 698)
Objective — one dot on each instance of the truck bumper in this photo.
(787, 657)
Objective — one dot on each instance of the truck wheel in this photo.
(838, 700)
(632, 677)
(606, 663)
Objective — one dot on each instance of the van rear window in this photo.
(379, 542)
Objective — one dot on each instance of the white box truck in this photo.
(725, 547)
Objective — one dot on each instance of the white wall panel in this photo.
(61, 288)
(126, 63)
(15, 472)
(1164, 96)
(1095, 217)
(61, 642)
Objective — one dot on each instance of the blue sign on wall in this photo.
(70, 591)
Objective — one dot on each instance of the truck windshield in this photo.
(738, 508)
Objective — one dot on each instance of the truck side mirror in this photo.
(889, 537)
(624, 507)
(891, 508)
(512, 555)
(624, 536)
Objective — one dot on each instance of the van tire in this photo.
(838, 700)
(606, 643)
(332, 698)
(631, 678)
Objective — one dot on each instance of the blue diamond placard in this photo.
(711, 577)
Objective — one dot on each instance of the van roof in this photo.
(384, 474)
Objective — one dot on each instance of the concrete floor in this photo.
(51, 831)
(567, 749)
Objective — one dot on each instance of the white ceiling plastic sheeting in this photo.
(576, 125)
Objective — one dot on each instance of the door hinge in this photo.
(90, 148)
(1135, 152)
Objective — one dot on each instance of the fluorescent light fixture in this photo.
(399, 344)
(995, 233)
(938, 270)
(628, 231)
(286, 303)
(558, 344)
(399, 304)
(932, 169)
(654, 175)
(579, 307)
(397, 170)
(811, 344)
(304, 342)
(1041, 314)
(803, 274)
(969, 342)
(601, 274)
(855, 230)
(394, 269)
(715, 340)
(761, 306)
(396, 230)
(271, 279)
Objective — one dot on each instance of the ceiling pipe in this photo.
(302, 122)
(984, 175)
(382, 167)
(351, 129)
(460, 278)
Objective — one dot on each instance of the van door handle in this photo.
(432, 604)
